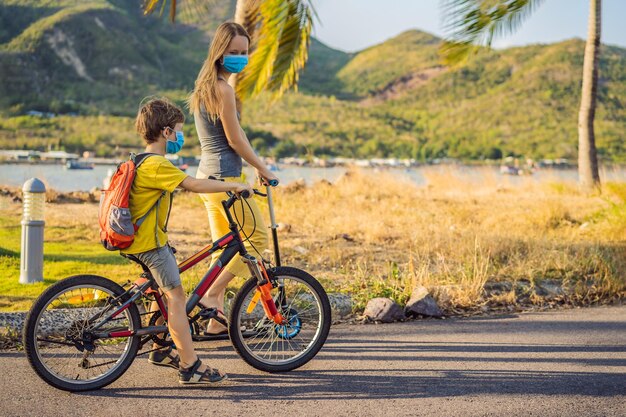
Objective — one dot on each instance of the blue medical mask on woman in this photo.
(175, 146)
(235, 63)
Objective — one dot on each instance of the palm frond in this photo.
(280, 48)
(476, 23)
(149, 6)
(292, 50)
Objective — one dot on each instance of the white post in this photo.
(31, 261)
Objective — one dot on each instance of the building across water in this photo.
(61, 157)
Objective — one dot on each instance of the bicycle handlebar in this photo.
(232, 197)
(245, 194)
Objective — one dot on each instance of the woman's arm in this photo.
(237, 138)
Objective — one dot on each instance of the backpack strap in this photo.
(156, 218)
(156, 204)
(167, 218)
(138, 159)
(169, 210)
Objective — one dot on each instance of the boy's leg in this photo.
(178, 325)
(164, 269)
(191, 369)
(163, 356)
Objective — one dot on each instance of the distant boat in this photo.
(512, 170)
(77, 165)
(509, 170)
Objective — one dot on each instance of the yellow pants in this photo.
(254, 236)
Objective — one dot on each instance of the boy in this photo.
(158, 121)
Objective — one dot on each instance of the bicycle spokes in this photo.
(279, 343)
(65, 342)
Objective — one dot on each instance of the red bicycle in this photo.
(84, 332)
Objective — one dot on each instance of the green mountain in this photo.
(100, 58)
(518, 101)
(91, 57)
(372, 69)
(319, 76)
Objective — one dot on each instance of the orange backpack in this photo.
(117, 231)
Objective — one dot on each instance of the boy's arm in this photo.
(199, 185)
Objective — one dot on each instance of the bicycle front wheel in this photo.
(59, 334)
(271, 347)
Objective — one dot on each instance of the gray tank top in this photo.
(218, 159)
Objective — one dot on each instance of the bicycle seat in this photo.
(133, 258)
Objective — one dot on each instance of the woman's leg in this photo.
(219, 227)
(254, 233)
(215, 298)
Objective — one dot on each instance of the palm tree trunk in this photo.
(587, 157)
(243, 17)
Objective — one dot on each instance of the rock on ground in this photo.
(423, 304)
(340, 304)
(384, 310)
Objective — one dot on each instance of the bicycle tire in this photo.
(34, 320)
(240, 316)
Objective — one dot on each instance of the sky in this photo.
(353, 25)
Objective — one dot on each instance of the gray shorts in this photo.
(163, 266)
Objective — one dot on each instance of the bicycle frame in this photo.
(231, 244)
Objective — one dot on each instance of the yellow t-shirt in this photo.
(155, 175)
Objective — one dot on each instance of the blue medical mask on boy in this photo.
(235, 63)
(175, 146)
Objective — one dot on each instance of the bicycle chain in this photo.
(139, 354)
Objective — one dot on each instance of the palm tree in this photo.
(280, 31)
(477, 22)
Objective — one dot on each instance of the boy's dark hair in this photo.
(154, 116)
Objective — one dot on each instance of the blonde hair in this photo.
(205, 90)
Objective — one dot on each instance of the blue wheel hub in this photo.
(292, 328)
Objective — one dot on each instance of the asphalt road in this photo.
(570, 362)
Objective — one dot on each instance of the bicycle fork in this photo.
(264, 286)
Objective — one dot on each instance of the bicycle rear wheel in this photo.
(57, 334)
(268, 346)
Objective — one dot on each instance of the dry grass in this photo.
(455, 234)
(371, 234)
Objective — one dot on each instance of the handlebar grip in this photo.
(273, 183)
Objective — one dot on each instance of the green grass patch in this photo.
(66, 252)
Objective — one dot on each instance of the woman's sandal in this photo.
(220, 317)
(188, 376)
(164, 358)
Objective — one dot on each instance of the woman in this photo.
(224, 144)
